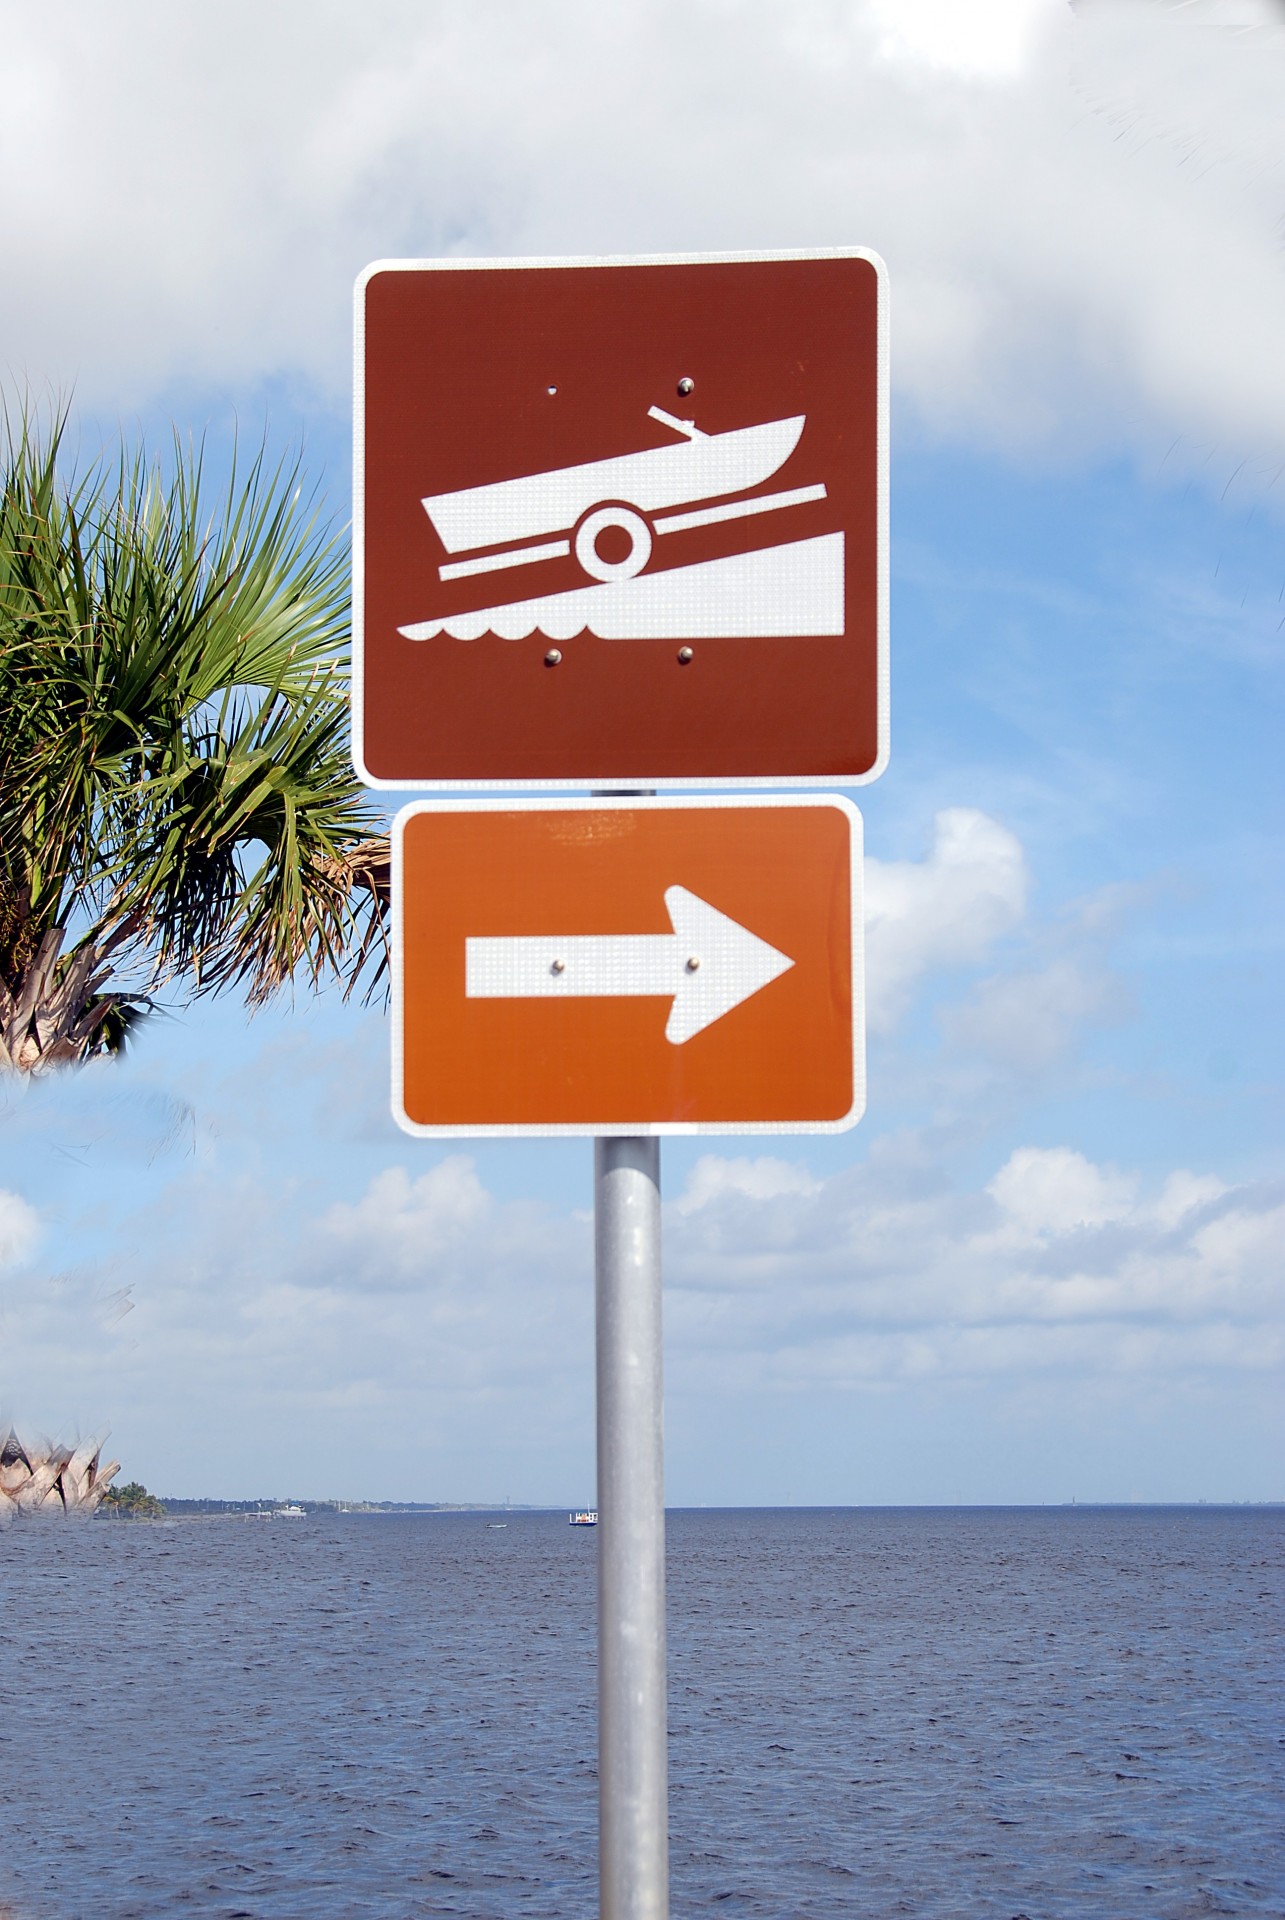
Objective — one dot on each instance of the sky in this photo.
(1048, 1263)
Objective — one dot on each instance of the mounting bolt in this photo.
(686, 385)
(552, 657)
(558, 966)
(551, 391)
(693, 965)
(684, 656)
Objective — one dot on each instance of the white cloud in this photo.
(1026, 1019)
(1081, 218)
(940, 913)
(1058, 1266)
(1183, 1192)
(991, 41)
(19, 1229)
(715, 1178)
(401, 1228)
(1046, 1191)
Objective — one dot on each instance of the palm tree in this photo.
(57, 1480)
(176, 802)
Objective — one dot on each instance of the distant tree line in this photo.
(132, 1502)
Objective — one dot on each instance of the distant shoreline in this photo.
(249, 1509)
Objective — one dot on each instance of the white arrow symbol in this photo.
(708, 963)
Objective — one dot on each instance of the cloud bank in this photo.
(1055, 1266)
(427, 1338)
(1080, 209)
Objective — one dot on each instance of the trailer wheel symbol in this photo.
(623, 520)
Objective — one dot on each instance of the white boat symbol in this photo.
(583, 503)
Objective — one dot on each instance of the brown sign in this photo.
(627, 966)
(621, 523)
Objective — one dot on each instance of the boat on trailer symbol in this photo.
(609, 514)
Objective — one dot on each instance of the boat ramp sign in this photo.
(616, 966)
(621, 523)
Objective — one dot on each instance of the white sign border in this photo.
(617, 777)
(596, 1129)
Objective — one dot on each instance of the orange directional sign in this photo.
(622, 522)
(628, 966)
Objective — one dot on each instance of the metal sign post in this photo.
(623, 523)
(633, 1817)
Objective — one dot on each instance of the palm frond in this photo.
(174, 777)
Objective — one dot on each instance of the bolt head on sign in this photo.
(621, 522)
(627, 966)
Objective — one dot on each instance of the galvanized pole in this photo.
(633, 1814)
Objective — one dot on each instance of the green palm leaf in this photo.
(176, 800)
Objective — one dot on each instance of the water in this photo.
(1049, 1713)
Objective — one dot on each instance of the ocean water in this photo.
(1049, 1713)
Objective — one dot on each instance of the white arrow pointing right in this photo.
(709, 963)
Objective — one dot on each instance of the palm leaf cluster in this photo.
(176, 801)
(53, 1480)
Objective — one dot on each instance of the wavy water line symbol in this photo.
(792, 589)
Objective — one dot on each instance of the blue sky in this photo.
(1048, 1263)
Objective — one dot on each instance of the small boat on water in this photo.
(584, 1517)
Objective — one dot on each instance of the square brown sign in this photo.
(621, 523)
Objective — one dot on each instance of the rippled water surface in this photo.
(1048, 1712)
